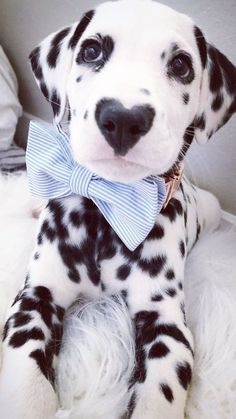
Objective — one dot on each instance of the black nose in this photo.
(122, 127)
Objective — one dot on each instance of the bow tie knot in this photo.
(79, 181)
(130, 209)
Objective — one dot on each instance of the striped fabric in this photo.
(12, 159)
(130, 209)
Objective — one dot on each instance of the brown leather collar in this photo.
(172, 180)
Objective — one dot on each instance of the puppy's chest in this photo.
(91, 249)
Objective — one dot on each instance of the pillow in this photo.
(10, 108)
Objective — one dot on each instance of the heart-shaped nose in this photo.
(122, 127)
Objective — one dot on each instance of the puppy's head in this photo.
(139, 80)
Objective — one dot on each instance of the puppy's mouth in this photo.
(120, 169)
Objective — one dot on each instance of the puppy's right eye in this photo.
(91, 52)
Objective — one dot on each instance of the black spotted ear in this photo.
(51, 62)
(218, 90)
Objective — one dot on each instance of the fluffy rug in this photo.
(210, 286)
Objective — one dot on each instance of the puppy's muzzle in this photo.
(121, 127)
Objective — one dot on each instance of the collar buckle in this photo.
(172, 182)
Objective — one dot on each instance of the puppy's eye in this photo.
(180, 66)
(91, 52)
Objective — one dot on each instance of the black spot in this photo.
(74, 275)
(103, 286)
(131, 405)
(145, 326)
(107, 47)
(47, 231)
(167, 392)
(182, 248)
(108, 251)
(217, 102)
(163, 54)
(156, 233)
(34, 60)
(198, 231)
(140, 373)
(39, 239)
(124, 294)
(131, 256)
(59, 312)
(200, 122)
(123, 272)
(171, 292)
(36, 256)
(55, 47)
(69, 115)
(44, 89)
(56, 209)
(157, 297)
(44, 363)
(186, 98)
(21, 337)
(79, 79)
(6, 329)
(86, 19)
(145, 91)
(185, 218)
(75, 218)
(173, 209)
(153, 266)
(184, 374)
(201, 43)
(55, 102)
(71, 255)
(180, 286)
(174, 332)
(28, 304)
(44, 308)
(174, 47)
(158, 350)
(215, 74)
(145, 333)
(86, 115)
(170, 274)
(21, 319)
(43, 293)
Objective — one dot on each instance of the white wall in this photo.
(23, 23)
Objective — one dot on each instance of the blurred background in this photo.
(24, 23)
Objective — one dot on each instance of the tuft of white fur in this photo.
(210, 288)
(96, 360)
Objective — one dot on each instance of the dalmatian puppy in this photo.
(140, 82)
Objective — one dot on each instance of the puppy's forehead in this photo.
(138, 18)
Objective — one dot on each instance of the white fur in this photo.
(210, 287)
(96, 360)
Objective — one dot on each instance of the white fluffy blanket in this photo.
(210, 287)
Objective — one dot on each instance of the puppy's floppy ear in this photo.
(218, 90)
(51, 62)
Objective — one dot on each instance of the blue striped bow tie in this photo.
(130, 209)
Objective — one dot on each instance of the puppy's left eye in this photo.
(180, 65)
(91, 51)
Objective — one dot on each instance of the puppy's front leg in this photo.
(164, 359)
(33, 330)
